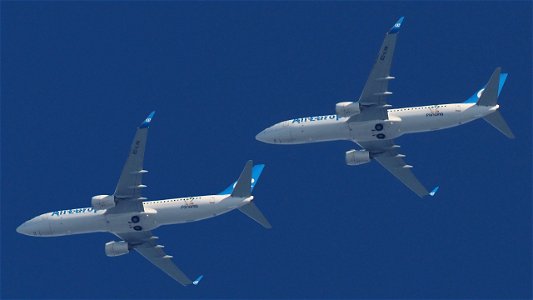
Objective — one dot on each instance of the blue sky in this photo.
(78, 77)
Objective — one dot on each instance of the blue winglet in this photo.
(396, 26)
(147, 121)
(197, 281)
(434, 191)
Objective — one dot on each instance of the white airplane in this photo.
(373, 124)
(127, 215)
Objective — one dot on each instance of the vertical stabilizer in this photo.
(256, 173)
(489, 95)
(243, 187)
(497, 79)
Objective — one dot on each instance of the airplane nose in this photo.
(263, 136)
(24, 228)
(33, 228)
(277, 134)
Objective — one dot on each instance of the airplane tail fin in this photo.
(488, 95)
(246, 186)
(243, 188)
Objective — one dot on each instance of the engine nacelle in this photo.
(357, 157)
(116, 248)
(347, 109)
(103, 202)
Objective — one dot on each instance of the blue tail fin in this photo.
(256, 172)
(477, 95)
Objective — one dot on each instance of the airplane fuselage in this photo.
(400, 121)
(156, 213)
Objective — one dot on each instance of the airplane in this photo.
(371, 123)
(131, 218)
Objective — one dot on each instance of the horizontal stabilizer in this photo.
(254, 213)
(497, 121)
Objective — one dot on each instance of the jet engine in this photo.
(116, 248)
(357, 157)
(103, 202)
(347, 109)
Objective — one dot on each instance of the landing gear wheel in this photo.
(138, 228)
(380, 136)
(379, 127)
(135, 219)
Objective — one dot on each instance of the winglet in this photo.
(197, 281)
(147, 121)
(434, 191)
(396, 26)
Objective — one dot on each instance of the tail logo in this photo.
(252, 182)
(480, 93)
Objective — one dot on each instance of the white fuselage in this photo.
(400, 121)
(156, 213)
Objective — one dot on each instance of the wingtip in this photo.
(434, 191)
(146, 122)
(396, 27)
(197, 281)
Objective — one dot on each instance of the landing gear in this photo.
(379, 127)
(135, 219)
(138, 228)
(380, 136)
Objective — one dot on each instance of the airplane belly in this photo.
(133, 221)
(375, 129)
(319, 132)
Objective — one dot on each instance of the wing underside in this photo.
(373, 99)
(146, 244)
(128, 191)
(387, 154)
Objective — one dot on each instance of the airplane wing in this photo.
(128, 191)
(386, 153)
(146, 244)
(373, 98)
